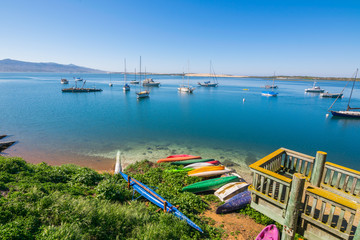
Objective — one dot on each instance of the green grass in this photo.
(72, 202)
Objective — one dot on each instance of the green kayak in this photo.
(210, 184)
(179, 170)
(186, 162)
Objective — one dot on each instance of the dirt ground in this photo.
(236, 226)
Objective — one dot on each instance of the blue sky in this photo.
(250, 37)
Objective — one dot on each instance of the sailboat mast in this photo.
(135, 74)
(140, 74)
(125, 70)
(348, 106)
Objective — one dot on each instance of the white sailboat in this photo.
(126, 86)
(145, 93)
(188, 88)
(134, 81)
(273, 86)
(348, 113)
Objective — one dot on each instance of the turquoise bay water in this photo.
(213, 122)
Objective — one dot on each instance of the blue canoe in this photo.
(153, 197)
(238, 201)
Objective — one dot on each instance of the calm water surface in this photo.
(53, 126)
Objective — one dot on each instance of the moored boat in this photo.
(269, 233)
(134, 81)
(152, 196)
(231, 189)
(269, 94)
(64, 81)
(142, 94)
(175, 159)
(126, 86)
(212, 76)
(149, 82)
(239, 201)
(331, 95)
(210, 184)
(314, 89)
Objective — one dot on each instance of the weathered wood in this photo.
(293, 206)
(318, 168)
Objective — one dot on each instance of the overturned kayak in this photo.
(239, 201)
(174, 159)
(205, 169)
(231, 189)
(269, 233)
(199, 165)
(152, 196)
(210, 184)
(214, 162)
(180, 155)
(186, 162)
(210, 172)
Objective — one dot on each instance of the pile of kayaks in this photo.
(229, 187)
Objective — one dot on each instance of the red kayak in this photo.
(269, 233)
(175, 159)
(214, 162)
(180, 155)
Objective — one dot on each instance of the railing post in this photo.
(318, 168)
(293, 207)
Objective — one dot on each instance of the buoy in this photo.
(327, 115)
(243, 100)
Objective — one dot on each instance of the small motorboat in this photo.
(315, 89)
(126, 87)
(269, 94)
(64, 81)
(149, 82)
(231, 189)
(331, 95)
(269, 233)
(211, 184)
(239, 201)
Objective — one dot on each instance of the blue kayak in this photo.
(238, 201)
(153, 197)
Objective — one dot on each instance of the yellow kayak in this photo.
(206, 169)
(245, 89)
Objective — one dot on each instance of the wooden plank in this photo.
(313, 207)
(274, 191)
(343, 169)
(305, 168)
(273, 214)
(267, 198)
(339, 174)
(267, 187)
(331, 214)
(350, 224)
(346, 180)
(340, 220)
(353, 186)
(262, 184)
(281, 189)
(322, 210)
(331, 177)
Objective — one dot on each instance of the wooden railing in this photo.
(298, 162)
(331, 214)
(341, 180)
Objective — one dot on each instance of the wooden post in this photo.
(318, 169)
(293, 207)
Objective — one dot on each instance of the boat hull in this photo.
(175, 159)
(210, 184)
(314, 90)
(269, 233)
(143, 94)
(199, 165)
(211, 173)
(208, 84)
(239, 201)
(331, 95)
(346, 114)
(206, 169)
(230, 190)
(269, 94)
(186, 162)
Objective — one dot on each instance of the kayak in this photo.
(210, 184)
(190, 161)
(214, 162)
(206, 169)
(269, 233)
(239, 201)
(231, 189)
(209, 173)
(175, 159)
(179, 170)
(199, 165)
(180, 155)
(152, 196)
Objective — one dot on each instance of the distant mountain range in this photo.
(9, 65)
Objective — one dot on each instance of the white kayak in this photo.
(211, 173)
(199, 165)
(231, 189)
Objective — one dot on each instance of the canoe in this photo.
(180, 155)
(190, 161)
(199, 165)
(179, 170)
(206, 169)
(152, 196)
(239, 201)
(210, 173)
(210, 184)
(2, 136)
(175, 159)
(231, 189)
(269, 233)
(5, 145)
(214, 162)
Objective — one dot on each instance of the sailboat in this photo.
(134, 81)
(187, 88)
(314, 89)
(110, 83)
(126, 86)
(348, 113)
(209, 83)
(273, 86)
(142, 94)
